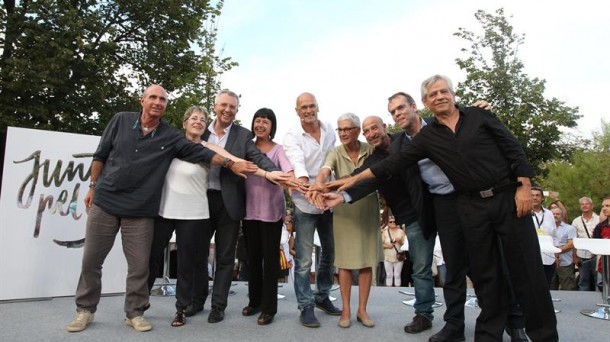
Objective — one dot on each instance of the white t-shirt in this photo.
(184, 194)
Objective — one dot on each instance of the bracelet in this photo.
(266, 175)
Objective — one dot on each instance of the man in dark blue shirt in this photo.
(491, 175)
(127, 174)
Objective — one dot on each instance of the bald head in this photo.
(307, 109)
(375, 132)
(154, 103)
(306, 97)
(154, 88)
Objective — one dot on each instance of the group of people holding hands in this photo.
(460, 174)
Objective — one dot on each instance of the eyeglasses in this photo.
(200, 119)
(345, 130)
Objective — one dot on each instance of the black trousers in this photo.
(486, 223)
(453, 244)
(226, 230)
(192, 266)
(263, 252)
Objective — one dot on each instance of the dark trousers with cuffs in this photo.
(262, 248)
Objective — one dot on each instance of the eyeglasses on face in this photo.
(345, 130)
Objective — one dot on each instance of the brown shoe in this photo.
(419, 324)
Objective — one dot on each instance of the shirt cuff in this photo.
(346, 197)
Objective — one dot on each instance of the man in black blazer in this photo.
(227, 197)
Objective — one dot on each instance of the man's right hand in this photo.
(331, 200)
(88, 199)
(243, 167)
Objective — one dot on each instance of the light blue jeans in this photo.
(305, 225)
(421, 253)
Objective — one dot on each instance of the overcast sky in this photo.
(353, 54)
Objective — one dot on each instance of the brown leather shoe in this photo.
(419, 324)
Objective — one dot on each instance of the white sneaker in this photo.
(138, 323)
(83, 317)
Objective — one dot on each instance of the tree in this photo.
(495, 73)
(70, 65)
(586, 175)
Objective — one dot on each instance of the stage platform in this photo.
(46, 320)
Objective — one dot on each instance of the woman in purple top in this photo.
(262, 226)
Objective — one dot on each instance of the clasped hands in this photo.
(322, 196)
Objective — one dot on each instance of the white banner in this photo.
(42, 216)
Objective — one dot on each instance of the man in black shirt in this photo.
(127, 174)
(491, 175)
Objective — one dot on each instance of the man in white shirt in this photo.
(585, 260)
(545, 225)
(306, 146)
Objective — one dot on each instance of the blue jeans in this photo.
(421, 252)
(305, 225)
(588, 274)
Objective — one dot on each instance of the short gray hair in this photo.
(193, 109)
(428, 82)
(351, 117)
(588, 199)
(228, 92)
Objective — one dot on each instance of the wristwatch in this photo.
(227, 163)
(92, 184)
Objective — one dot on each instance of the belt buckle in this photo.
(487, 193)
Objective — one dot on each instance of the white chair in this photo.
(599, 247)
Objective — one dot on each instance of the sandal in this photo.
(179, 319)
(250, 310)
(265, 319)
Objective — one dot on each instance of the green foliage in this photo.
(586, 175)
(495, 74)
(70, 65)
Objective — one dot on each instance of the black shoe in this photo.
(192, 309)
(419, 324)
(216, 315)
(327, 306)
(265, 319)
(516, 334)
(448, 334)
(250, 310)
(308, 318)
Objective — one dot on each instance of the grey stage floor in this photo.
(45, 320)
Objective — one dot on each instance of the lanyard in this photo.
(585, 226)
(539, 222)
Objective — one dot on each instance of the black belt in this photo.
(491, 192)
